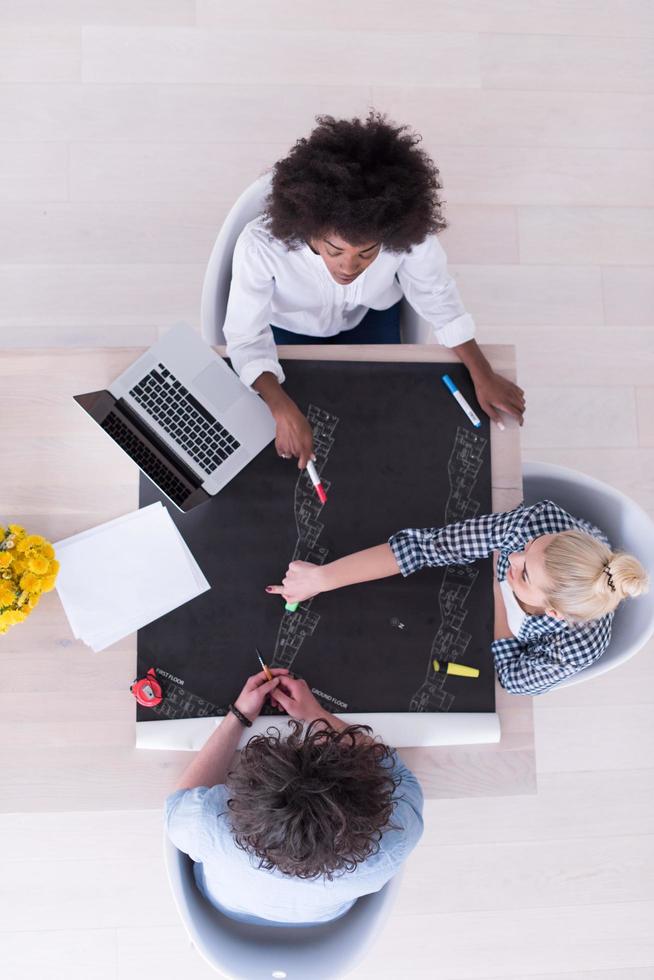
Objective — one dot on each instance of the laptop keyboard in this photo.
(146, 459)
(182, 416)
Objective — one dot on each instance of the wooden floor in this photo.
(127, 128)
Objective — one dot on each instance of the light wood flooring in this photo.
(127, 127)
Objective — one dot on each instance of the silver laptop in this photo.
(184, 417)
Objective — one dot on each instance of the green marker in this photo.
(291, 606)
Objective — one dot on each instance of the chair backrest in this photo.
(217, 278)
(627, 527)
(252, 952)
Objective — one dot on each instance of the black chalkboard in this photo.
(395, 450)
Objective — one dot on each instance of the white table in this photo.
(66, 715)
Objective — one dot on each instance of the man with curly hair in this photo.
(349, 228)
(301, 826)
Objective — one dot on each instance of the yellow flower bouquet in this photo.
(28, 568)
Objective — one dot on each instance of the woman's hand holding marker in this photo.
(294, 435)
(303, 580)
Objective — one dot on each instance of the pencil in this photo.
(265, 669)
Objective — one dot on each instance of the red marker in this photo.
(315, 479)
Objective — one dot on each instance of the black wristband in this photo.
(241, 717)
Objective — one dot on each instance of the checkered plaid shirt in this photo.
(546, 650)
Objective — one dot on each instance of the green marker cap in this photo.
(291, 606)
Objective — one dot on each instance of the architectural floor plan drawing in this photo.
(464, 464)
(451, 640)
(180, 703)
(295, 627)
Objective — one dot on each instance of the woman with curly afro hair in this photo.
(301, 826)
(349, 228)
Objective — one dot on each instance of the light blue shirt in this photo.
(197, 821)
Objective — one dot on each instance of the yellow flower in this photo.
(25, 572)
(7, 594)
(39, 565)
(30, 582)
(34, 541)
(11, 617)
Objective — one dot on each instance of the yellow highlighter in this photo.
(449, 667)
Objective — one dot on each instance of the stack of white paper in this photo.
(124, 574)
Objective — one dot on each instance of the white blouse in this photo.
(294, 289)
(515, 614)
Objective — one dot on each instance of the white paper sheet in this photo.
(400, 729)
(119, 576)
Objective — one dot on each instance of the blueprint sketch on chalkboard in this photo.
(451, 640)
(295, 627)
(178, 702)
(394, 451)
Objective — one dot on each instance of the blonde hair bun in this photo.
(588, 580)
(629, 576)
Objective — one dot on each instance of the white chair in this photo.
(217, 278)
(251, 952)
(627, 527)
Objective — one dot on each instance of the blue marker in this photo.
(449, 384)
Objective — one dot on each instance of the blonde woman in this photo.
(558, 584)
